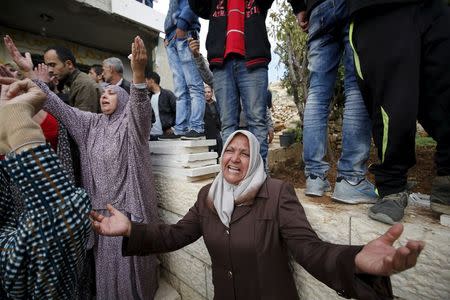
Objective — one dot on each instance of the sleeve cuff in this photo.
(360, 286)
(140, 86)
(132, 245)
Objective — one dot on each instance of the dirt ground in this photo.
(421, 174)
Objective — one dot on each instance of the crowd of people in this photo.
(75, 156)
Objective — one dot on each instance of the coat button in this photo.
(227, 231)
(230, 274)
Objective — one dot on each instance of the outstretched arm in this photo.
(75, 120)
(144, 239)
(140, 106)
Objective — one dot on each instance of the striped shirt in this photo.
(42, 250)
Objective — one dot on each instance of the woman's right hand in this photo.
(115, 225)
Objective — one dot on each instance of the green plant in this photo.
(297, 130)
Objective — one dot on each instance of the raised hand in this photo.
(23, 91)
(138, 60)
(380, 257)
(41, 72)
(194, 45)
(302, 21)
(24, 63)
(4, 72)
(115, 225)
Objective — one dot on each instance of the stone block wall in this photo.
(188, 270)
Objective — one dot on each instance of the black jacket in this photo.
(167, 103)
(126, 85)
(212, 121)
(257, 46)
(356, 5)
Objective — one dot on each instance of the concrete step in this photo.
(166, 292)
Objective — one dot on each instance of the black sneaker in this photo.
(169, 137)
(193, 135)
(440, 195)
(390, 209)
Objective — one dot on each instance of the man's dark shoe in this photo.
(440, 195)
(169, 137)
(193, 135)
(390, 209)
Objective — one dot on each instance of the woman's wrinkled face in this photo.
(236, 159)
(108, 101)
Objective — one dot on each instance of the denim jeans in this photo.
(328, 43)
(189, 88)
(231, 83)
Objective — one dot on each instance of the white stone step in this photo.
(166, 292)
(184, 158)
(185, 173)
(183, 143)
(189, 165)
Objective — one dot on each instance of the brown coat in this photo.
(250, 260)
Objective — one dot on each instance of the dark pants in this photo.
(403, 62)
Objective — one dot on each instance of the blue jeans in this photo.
(328, 42)
(189, 88)
(231, 83)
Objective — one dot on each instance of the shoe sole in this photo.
(313, 194)
(381, 218)
(440, 208)
(359, 201)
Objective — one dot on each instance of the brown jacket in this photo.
(250, 260)
(84, 93)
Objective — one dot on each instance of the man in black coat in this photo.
(163, 107)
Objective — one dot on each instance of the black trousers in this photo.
(402, 57)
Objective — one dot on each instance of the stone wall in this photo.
(188, 270)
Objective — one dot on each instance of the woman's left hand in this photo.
(380, 257)
(138, 60)
(116, 225)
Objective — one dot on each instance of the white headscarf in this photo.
(225, 195)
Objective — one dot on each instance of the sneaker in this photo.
(316, 186)
(440, 195)
(169, 137)
(362, 192)
(193, 135)
(390, 209)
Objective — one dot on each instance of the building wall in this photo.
(35, 44)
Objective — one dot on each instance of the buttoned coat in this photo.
(251, 259)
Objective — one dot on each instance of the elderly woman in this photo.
(115, 166)
(250, 223)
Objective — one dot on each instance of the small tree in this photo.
(291, 47)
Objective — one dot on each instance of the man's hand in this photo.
(380, 257)
(180, 33)
(194, 45)
(303, 21)
(23, 91)
(115, 225)
(138, 60)
(168, 131)
(24, 63)
(270, 135)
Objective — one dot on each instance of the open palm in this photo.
(24, 62)
(115, 225)
(380, 257)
